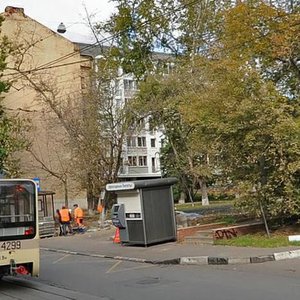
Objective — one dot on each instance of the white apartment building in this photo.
(141, 152)
(141, 148)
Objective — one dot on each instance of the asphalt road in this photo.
(78, 277)
(12, 288)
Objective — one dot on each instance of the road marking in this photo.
(113, 267)
(93, 261)
(60, 259)
(128, 269)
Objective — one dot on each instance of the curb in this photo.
(203, 260)
(140, 260)
(196, 260)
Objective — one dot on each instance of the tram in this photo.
(19, 232)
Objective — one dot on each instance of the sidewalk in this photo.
(100, 244)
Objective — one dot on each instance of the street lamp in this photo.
(61, 28)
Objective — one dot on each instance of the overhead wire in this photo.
(30, 109)
(102, 41)
(44, 68)
(110, 38)
(50, 64)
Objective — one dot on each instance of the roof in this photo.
(95, 49)
(91, 50)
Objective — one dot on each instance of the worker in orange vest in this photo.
(78, 215)
(65, 220)
(100, 209)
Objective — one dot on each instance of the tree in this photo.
(182, 29)
(254, 132)
(99, 134)
(81, 127)
(93, 131)
(266, 45)
(12, 129)
(268, 38)
(237, 89)
(162, 98)
(33, 88)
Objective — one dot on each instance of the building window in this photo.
(142, 160)
(141, 141)
(118, 103)
(153, 164)
(153, 161)
(153, 143)
(131, 141)
(118, 91)
(140, 123)
(132, 161)
(129, 84)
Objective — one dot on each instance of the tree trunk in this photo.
(204, 195)
(92, 201)
(263, 181)
(90, 197)
(65, 183)
(264, 219)
(182, 198)
(188, 192)
(111, 198)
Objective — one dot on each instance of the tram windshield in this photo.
(17, 209)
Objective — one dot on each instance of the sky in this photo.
(71, 12)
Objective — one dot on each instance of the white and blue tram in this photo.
(19, 232)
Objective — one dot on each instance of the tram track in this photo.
(14, 286)
(23, 289)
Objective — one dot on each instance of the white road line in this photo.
(98, 261)
(113, 267)
(60, 259)
(129, 269)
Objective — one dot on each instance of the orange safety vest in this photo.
(64, 215)
(100, 208)
(78, 213)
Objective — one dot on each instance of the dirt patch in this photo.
(287, 230)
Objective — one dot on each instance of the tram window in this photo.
(17, 204)
(17, 210)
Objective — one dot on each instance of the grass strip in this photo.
(257, 240)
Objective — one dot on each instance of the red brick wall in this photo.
(188, 231)
(234, 231)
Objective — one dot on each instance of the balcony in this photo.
(137, 151)
(129, 93)
(130, 171)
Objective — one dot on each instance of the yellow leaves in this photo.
(285, 39)
(255, 30)
(279, 43)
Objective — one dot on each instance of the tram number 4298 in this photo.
(13, 245)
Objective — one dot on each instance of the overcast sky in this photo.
(70, 12)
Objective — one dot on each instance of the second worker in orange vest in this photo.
(78, 215)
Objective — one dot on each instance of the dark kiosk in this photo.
(144, 212)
